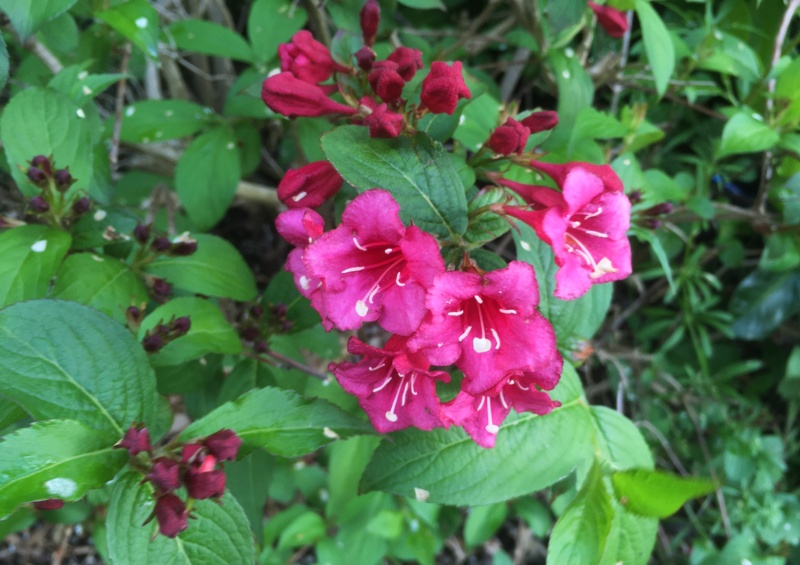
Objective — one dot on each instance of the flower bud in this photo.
(153, 343)
(135, 440)
(256, 311)
(261, 346)
(141, 233)
(171, 515)
(162, 287)
(43, 163)
(408, 60)
(285, 94)
(161, 244)
(384, 123)
(183, 248)
(38, 205)
(385, 81)
(309, 186)
(443, 88)
(250, 333)
(370, 16)
(224, 444)
(37, 177)
(206, 484)
(190, 453)
(658, 209)
(613, 21)
(509, 138)
(307, 59)
(63, 180)
(165, 474)
(541, 121)
(635, 196)
(49, 504)
(180, 326)
(81, 206)
(365, 57)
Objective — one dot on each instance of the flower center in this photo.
(575, 246)
(380, 255)
(475, 309)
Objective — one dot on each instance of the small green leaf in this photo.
(279, 421)
(482, 522)
(631, 537)
(159, 120)
(743, 133)
(207, 175)
(423, 4)
(56, 459)
(209, 331)
(306, 529)
(272, 22)
(215, 269)
(28, 15)
(658, 250)
(763, 301)
(81, 86)
(31, 256)
(3, 63)
(137, 21)
(210, 38)
(657, 44)
(655, 493)
(619, 440)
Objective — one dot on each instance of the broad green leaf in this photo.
(485, 225)
(619, 440)
(422, 4)
(208, 37)
(219, 532)
(592, 124)
(786, 88)
(248, 480)
(417, 172)
(207, 175)
(31, 256)
(763, 301)
(137, 21)
(656, 493)
(104, 283)
(482, 522)
(279, 421)
(346, 462)
(575, 92)
(743, 133)
(658, 250)
(3, 63)
(28, 15)
(782, 252)
(477, 121)
(630, 539)
(79, 85)
(580, 534)
(10, 412)
(657, 44)
(65, 360)
(282, 291)
(272, 22)
(209, 333)
(55, 459)
(446, 466)
(158, 120)
(40, 121)
(306, 529)
(215, 269)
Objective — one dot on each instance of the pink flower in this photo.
(309, 186)
(393, 385)
(365, 57)
(585, 224)
(165, 474)
(541, 121)
(443, 88)
(374, 268)
(171, 515)
(203, 481)
(308, 59)
(614, 22)
(288, 95)
(488, 326)
(370, 18)
(509, 138)
(385, 81)
(408, 60)
(224, 444)
(384, 123)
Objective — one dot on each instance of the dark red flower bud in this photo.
(370, 16)
(250, 333)
(285, 94)
(613, 21)
(443, 88)
(635, 196)
(287, 325)
(541, 121)
(135, 440)
(63, 180)
(207, 484)
(190, 453)
(38, 205)
(309, 186)
(386, 81)
(652, 223)
(307, 59)
(280, 310)
(658, 209)
(365, 57)
(180, 326)
(49, 504)
(133, 315)
(183, 248)
(43, 163)
(81, 206)
(408, 60)
(141, 233)
(384, 123)
(165, 474)
(224, 444)
(171, 515)
(161, 244)
(162, 287)
(509, 138)
(37, 176)
(261, 346)
(153, 343)
(256, 311)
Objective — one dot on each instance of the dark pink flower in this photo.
(385, 81)
(509, 138)
(586, 225)
(443, 88)
(384, 123)
(165, 474)
(373, 268)
(365, 57)
(203, 481)
(613, 21)
(224, 444)
(541, 121)
(307, 59)
(135, 440)
(288, 95)
(488, 325)
(370, 18)
(171, 515)
(408, 60)
(310, 185)
(393, 385)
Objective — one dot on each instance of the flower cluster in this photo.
(52, 203)
(196, 468)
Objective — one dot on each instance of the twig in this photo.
(292, 363)
(626, 45)
(318, 22)
(113, 152)
(45, 55)
(665, 444)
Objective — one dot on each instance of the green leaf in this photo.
(65, 360)
(657, 44)
(446, 466)
(159, 120)
(56, 459)
(279, 421)
(422, 4)
(79, 85)
(28, 15)
(417, 172)
(207, 175)
(248, 480)
(306, 529)
(763, 301)
(743, 133)
(580, 534)
(208, 37)
(655, 493)
(104, 283)
(215, 269)
(782, 252)
(592, 124)
(477, 122)
(137, 21)
(486, 225)
(630, 539)
(620, 441)
(3, 63)
(575, 91)
(39, 121)
(209, 333)
(272, 22)
(10, 413)
(658, 250)
(282, 291)
(482, 522)
(786, 88)
(219, 532)
(31, 256)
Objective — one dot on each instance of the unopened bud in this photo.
(280, 310)
(133, 315)
(183, 248)
(171, 514)
(652, 223)
(635, 196)
(250, 333)
(135, 440)
(261, 346)
(63, 180)
(365, 57)
(370, 17)
(38, 205)
(181, 326)
(49, 504)
(153, 343)
(256, 311)
(141, 233)
(161, 244)
(81, 206)
(162, 287)
(37, 177)
(224, 444)
(43, 163)
(165, 474)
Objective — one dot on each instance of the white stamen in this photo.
(519, 385)
(352, 270)
(478, 299)
(391, 416)
(299, 196)
(388, 250)
(373, 293)
(413, 382)
(596, 233)
(483, 400)
(405, 391)
(503, 400)
(603, 267)
(379, 366)
(490, 427)
(507, 311)
(355, 241)
(481, 344)
(361, 308)
(382, 385)
(305, 282)
(463, 336)
(496, 338)
(397, 280)
(456, 313)
(593, 214)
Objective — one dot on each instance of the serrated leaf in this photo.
(65, 360)
(745, 134)
(272, 22)
(219, 532)
(79, 85)
(417, 172)
(159, 120)
(482, 522)
(209, 333)
(658, 250)
(104, 283)
(28, 15)
(630, 539)
(656, 493)
(763, 301)
(452, 469)
(207, 175)
(208, 37)
(215, 269)
(657, 44)
(279, 421)
(619, 440)
(31, 255)
(137, 21)
(56, 459)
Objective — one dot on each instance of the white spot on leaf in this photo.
(327, 432)
(39, 246)
(141, 23)
(61, 488)
(421, 494)
(100, 215)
